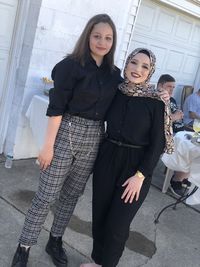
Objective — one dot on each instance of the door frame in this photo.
(9, 89)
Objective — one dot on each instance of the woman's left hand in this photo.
(164, 95)
(133, 187)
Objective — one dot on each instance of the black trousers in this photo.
(111, 216)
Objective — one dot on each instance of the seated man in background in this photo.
(191, 108)
(179, 181)
(167, 82)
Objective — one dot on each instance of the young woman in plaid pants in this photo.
(85, 83)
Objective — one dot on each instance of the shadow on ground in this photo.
(136, 242)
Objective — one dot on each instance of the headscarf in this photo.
(144, 89)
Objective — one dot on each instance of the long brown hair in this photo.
(82, 49)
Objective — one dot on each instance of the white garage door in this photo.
(8, 10)
(173, 36)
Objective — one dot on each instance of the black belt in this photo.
(122, 144)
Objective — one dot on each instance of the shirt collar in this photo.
(89, 59)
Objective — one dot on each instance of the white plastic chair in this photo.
(168, 177)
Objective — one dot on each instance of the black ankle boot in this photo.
(56, 251)
(20, 258)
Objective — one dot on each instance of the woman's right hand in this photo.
(46, 154)
(45, 157)
(132, 188)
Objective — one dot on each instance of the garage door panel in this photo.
(136, 44)
(146, 22)
(160, 53)
(173, 36)
(196, 35)
(165, 23)
(174, 61)
(191, 65)
(156, 74)
(183, 30)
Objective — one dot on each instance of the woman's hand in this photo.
(45, 157)
(164, 95)
(46, 154)
(133, 187)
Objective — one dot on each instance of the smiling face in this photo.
(101, 41)
(138, 68)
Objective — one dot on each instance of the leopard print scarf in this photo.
(146, 90)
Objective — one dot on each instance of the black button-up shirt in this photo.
(138, 121)
(85, 91)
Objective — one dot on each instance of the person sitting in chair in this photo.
(179, 182)
(191, 108)
(167, 82)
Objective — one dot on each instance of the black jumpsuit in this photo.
(130, 120)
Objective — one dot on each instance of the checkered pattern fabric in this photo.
(75, 151)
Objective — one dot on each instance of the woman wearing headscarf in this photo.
(138, 131)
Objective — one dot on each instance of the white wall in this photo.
(60, 24)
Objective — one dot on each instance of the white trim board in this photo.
(190, 7)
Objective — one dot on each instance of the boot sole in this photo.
(56, 263)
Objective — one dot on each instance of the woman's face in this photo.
(101, 41)
(138, 68)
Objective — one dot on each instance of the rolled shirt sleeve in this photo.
(63, 75)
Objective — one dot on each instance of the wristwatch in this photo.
(140, 175)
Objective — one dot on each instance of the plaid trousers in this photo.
(75, 151)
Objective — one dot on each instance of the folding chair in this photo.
(168, 176)
(186, 91)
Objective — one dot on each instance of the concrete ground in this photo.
(174, 242)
